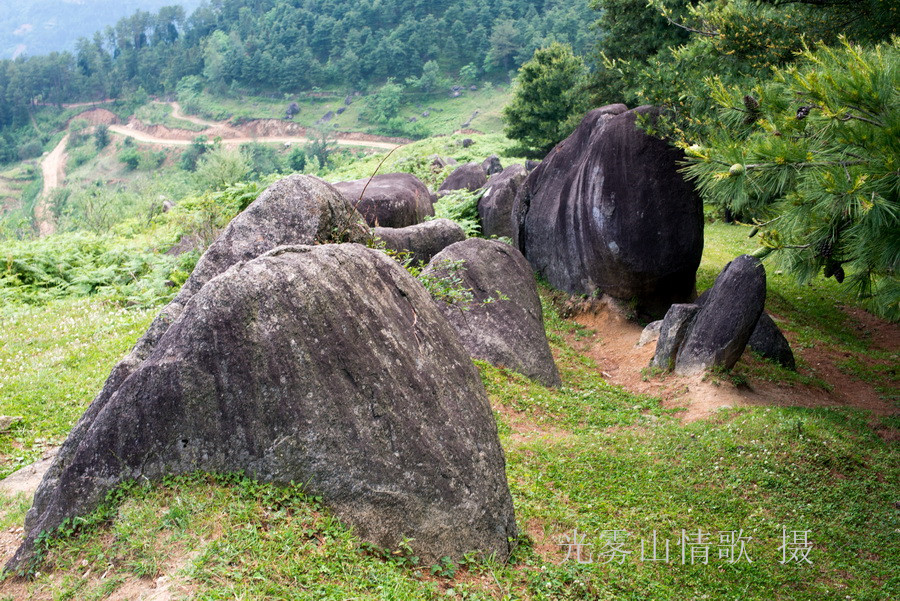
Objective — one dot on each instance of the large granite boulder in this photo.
(469, 177)
(722, 328)
(607, 211)
(389, 199)
(509, 330)
(496, 205)
(423, 240)
(328, 365)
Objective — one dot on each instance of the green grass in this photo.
(446, 114)
(155, 113)
(53, 360)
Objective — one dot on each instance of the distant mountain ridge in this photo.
(36, 27)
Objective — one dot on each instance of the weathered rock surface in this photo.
(389, 199)
(469, 177)
(767, 340)
(672, 332)
(491, 165)
(423, 240)
(723, 326)
(328, 365)
(507, 333)
(650, 333)
(496, 205)
(299, 209)
(438, 162)
(608, 211)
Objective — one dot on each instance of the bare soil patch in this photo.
(613, 348)
(98, 117)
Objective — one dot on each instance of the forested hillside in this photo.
(289, 46)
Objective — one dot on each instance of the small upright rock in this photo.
(723, 326)
(496, 205)
(507, 333)
(465, 177)
(767, 340)
(672, 331)
(491, 165)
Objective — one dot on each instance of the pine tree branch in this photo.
(710, 34)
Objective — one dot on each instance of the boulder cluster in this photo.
(298, 351)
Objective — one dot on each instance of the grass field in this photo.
(590, 457)
(478, 110)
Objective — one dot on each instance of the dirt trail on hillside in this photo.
(273, 131)
(621, 361)
(53, 171)
(163, 140)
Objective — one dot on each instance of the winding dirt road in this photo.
(141, 136)
(53, 171)
(53, 165)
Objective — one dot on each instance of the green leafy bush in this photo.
(460, 206)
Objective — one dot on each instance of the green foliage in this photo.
(431, 80)
(130, 157)
(460, 206)
(547, 99)
(384, 105)
(101, 136)
(296, 159)
(189, 157)
(262, 158)
(812, 156)
(220, 168)
(84, 264)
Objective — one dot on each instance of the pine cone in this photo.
(825, 248)
(831, 268)
(839, 274)
(803, 111)
(752, 105)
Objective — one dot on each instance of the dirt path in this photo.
(53, 171)
(241, 139)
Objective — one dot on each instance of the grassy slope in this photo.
(589, 456)
(446, 114)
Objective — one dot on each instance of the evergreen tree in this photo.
(813, 158)
(547, 99)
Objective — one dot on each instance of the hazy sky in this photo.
(42, 26)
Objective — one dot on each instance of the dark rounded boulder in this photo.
(327, 365)
(423, 240)
(496, 205)
(469, 177)
(608, 211)
(491, 165)
(507, 331)
(389, 199)
(721, 329)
